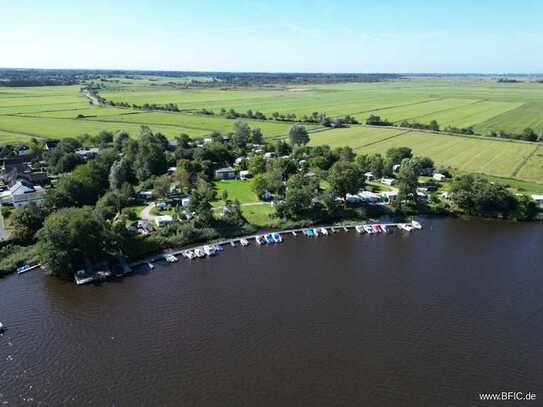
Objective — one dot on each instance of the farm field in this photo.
(355, 137)
(470, 154)
(533, 169)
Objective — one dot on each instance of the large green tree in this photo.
(298, 135)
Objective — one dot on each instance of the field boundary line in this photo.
(524, 162)
(385, 139)
(22, 133)
(443, 110)
(393, 106)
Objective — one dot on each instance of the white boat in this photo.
(199, 253)
(277, 238)
(258, 239)
(416, 225)
(170, 258)
(368, 229)
(209, 251)
(316, 232)
(1, 327)
(232, 243)
(359, 228)
(384, 228)
(23, 269)
(405, 226)
(189, 254)
(324, 231)
(345, 228)
(244, 242)
(293, 233)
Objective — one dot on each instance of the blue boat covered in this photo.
(269, 239)
(309, 232)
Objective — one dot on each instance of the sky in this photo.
(275, 36)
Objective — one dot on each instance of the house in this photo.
(22, 150)
(370, 197)
(87, 153)
(388, 181)
(50, 144)
(22, 193)
(245, 174)
(145, 195)
(439, 177)
(162, 206)
(389, 196)
(538, 200)
(225, 173)
(163, 220)
(353, 199)
(369, 176)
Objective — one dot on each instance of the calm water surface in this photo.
(426, 319)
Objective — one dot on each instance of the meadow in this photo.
(502, 158)
(63, 111)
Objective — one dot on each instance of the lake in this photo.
(427, 318)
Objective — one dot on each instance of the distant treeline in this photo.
(527, 134)
(48, 77)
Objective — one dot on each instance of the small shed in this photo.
(225, 173)
(439, 177)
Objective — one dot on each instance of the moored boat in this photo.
(2, 327)
(244, 242)
(376, 228)
(316, 232)
(368, 229)
(416, 225)
(277, 238)
(309, 232)
(170, 258)
(259, 240)
(199, 253)
(209, 251)
(323, 231)
(359, 228)
(24, 269)
(269, 238)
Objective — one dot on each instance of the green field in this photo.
(51, 112)
(471, 154)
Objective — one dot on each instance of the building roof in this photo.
(21, 187)
(226, 169)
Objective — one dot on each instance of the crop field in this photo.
(494, 157)
(52, 112)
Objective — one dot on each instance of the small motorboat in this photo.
(384, 228)
(199, 253)
(244, 242)
(405, 226)
(309, 232)
(416, 225)
(233, 244)
(24, 269)
(324, 231)
(189, 254)
(277, 238)
(259, 240)
(269, 238)
(376, 228)
(293, 233)
(2, 328)
(209, 251)
(368, 229)
(219, 248)
(316, 232)
(170, 258)
(359, 228)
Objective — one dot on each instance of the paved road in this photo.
(3, 233)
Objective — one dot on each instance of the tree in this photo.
(475, 195)
(299, 198)
(376, 165)
(26, 222)
(434, 126)
(256, 164)
(396, 154)
(120, 173)
(259, 184)
(298, 135)
(200, 202)
(241, 135)
(257, 137)
(233, 214)
(69, 236)
(345, 177)
(408, 177)
(119, 138)
(161, 186)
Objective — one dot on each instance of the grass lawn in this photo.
(236, 189)
(259, 214)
